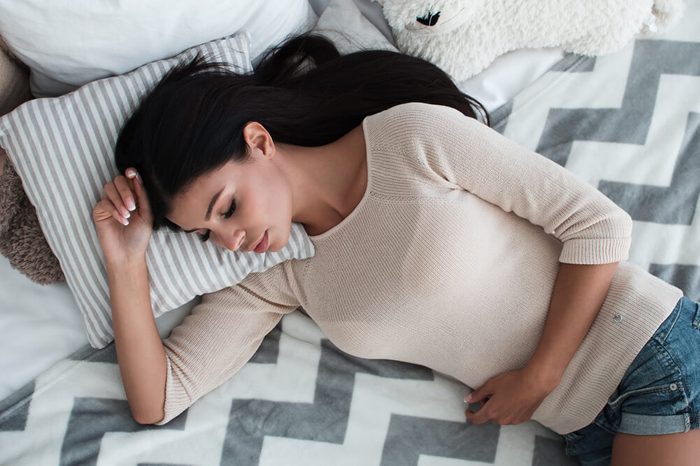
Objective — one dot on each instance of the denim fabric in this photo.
(659, 393)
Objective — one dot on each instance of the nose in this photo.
(429, 19)
(233, 241)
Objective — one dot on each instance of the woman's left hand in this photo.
(509, 398)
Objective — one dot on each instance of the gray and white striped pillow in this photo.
(62, 149)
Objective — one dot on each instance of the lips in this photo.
(263, 244)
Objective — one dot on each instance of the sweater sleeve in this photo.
(474, 157)
(220, 335)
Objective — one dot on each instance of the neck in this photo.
(327, 182)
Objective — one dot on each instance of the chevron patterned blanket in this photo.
(629, 123)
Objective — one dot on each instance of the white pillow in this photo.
(62, 149)
(343, 23)
(68, 43)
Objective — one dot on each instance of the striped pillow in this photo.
(62, 148)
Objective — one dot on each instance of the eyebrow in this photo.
(209, 209)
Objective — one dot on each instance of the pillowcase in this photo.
(69, 43)
(343, 23)
(62, 149)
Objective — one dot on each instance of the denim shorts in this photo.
(659, 393)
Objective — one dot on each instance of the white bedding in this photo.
(41, 324)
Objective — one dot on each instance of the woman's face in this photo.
(242, 205)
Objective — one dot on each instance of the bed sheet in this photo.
(41, 324)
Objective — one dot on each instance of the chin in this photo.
(276, 245)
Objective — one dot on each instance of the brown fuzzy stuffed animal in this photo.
(21, 238)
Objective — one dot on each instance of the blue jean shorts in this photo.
(659, 393)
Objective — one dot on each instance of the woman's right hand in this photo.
(123, 218)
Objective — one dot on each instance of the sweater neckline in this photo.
(326, 234)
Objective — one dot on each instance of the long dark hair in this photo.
(303, 92)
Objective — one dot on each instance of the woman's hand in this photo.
(123, 218)
(508, 398)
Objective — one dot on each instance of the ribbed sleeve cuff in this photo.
(175, 401)
(595, 250)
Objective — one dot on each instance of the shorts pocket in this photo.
(654, 385)
(650, 396)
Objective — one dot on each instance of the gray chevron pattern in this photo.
(251, 421)
(672, 204)
(628, 123)
(82, 446)
(325, 420)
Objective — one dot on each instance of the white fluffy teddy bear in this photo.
(464, 36)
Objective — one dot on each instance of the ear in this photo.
(259, 140)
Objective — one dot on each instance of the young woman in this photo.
(438, 242)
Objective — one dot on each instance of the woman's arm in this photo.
(470, 156)
(579, 293)
(513, 397)
(140, 353)
(123, 221)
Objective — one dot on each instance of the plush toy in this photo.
(464, 36)
(22, 241)
(21, 238)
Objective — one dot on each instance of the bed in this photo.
(628, 123)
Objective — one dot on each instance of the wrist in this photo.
(124, 263)
(544, 376)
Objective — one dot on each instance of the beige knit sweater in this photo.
(448, 261)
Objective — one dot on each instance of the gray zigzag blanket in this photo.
(628, 123)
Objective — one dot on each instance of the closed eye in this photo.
(232, 209)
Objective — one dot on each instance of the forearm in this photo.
(142, 360)
(579, 293)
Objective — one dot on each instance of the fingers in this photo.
(125, 192)
(479, 394)
(479, 416)
(105, 209)
(121, 197)
(141, 197)
(119, 193)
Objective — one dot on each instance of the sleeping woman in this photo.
(438, 242)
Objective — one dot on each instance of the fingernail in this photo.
(132, 206)
(125, 222)
(127, 215)
(468, 398)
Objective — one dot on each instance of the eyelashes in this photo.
(231, 210)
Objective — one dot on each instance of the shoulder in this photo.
(417, 111)
(417, 122)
